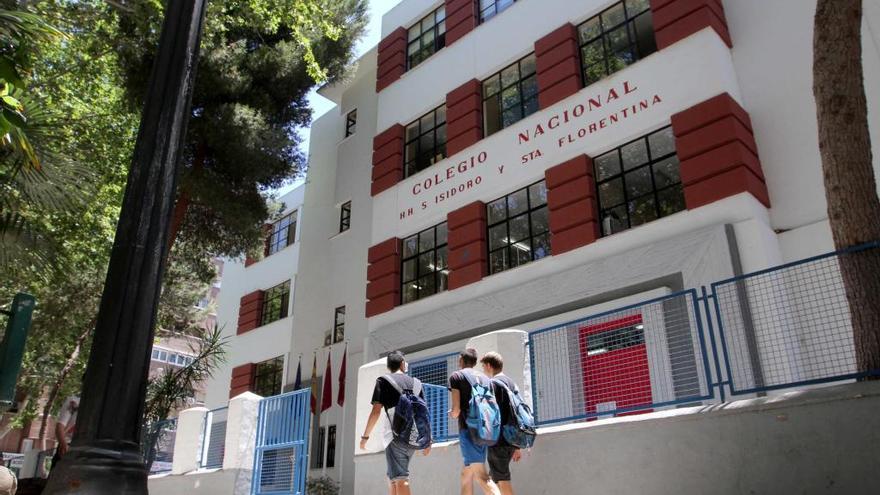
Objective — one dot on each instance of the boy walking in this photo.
(386, 395)
(474, 455)
(502, 453)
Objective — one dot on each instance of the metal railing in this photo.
(281, 459)
(434, 374)
(213, 439)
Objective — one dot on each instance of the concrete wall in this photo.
(823, 441)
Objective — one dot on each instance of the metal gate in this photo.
(281, 457)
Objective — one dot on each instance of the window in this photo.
(345, 217)
(619, 36)
(425, 269)
(339, 324)
(426, 37)
(425, 141)
(510, 95)
(319, 448)
(351, 121)
(331, 446)
(518, 228)
(275, 303)
(490, 8)
(283, 233)
(267, 377)
(639, 182)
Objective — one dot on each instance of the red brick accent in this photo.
(242, 379)
(464, 116)
(719, 157)
(392, 59)
(571, 199)
(468, 259)
(248, 261)
(249, 312)
(461, 18)
(675, 20)
(559, 65)
(383, 277)
(387, 159)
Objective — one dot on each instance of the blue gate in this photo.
(281, 457)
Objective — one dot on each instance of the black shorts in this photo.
(499, 462)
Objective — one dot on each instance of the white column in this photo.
(511, 344)
(241, 431)
(190, 426)
(367, 376)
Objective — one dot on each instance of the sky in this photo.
(321, 105)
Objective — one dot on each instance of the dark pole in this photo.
(105, 457)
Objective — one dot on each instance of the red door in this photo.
(615, 362)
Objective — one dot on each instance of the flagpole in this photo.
(342, 436)
(326, 435)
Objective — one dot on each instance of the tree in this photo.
(845, 147)
(260, 58)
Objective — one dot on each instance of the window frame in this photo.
(438, 40)
(275, 242)
(438, 149)
(524, 110)
(655, 192)
(283, 293)
(481, 18)
(633, 46)
(330, 457)
(276, 371)
(339, 324)
(319, 445)
(345, 217)
(351, 123)
(440, 273)
(533, 235)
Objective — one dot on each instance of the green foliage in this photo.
(322, 486)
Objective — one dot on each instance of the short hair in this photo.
(395, 361)
(469, 357)
(494, 360)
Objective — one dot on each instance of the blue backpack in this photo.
(484, 416)
(520, 432)
(412, 422)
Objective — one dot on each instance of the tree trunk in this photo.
(845, 146)
(56, 387)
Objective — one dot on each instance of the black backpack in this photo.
(411, 423)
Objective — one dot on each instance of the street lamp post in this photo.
(105, 456)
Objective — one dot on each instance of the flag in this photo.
(327, 396)
(315, 384)
(298, 383)
(341, 399)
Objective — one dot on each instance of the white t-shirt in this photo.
(67, 416)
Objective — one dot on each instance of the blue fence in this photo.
(281, 457)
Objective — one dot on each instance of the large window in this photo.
(519, 228)
(425, 269)
(425, 141)
(283, 233)
(351, 121)
(339, 324)
(510, 95)
(489, 8)
(318, 458)
(267, 377)
(345, 216)
(276, 302)
(331, 446)
(426, 37)
(639, 182)
(619, 36)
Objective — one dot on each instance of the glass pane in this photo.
(441, 234)
(644, 26)
(541, 246)
(492, 115)
(509, 76)
(589, 30)
(427, 122)
(617, 40)
(538, 194)
(410, 292)
(426, 240)
(415, 32)
(667, 172)
(634, 7)
(442, 281)
(497, 211)
(520, 253)
(427, 24)
(519, 228)
(592, 53)
(510, 98)
(614, 220)
(530, 106)
(426, 143)
(642, 210)
(428, 40)
(426, 263)
(638, 183)
(440, 115)
(662, 143)
(498, 261)
(529, 87)
(528, 66)
(613, 16)
(409, 270)
(410, 245)
(611, 194)
(497, 236)
(441, 140)
(518, 202)
(512, 116)
(540, 221)
(594, 73)
(428, 285)
(441, 13)
(671, 200)
(634, 154)
(412, 151)
(491, 86)
(620, 60)
(412, 132)
(442, 258)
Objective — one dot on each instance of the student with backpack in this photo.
(517, 423)
(410, 422)
(479, 422)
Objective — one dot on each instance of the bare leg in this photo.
(506, 488)
(479, 473)
(392, 487)
(467, 481)
(402, 487)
